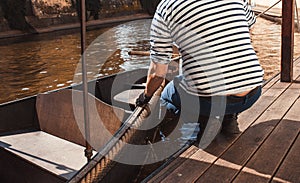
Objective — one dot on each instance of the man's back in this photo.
(213, 38)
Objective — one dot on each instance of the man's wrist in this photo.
(146, 96)
(142, 99)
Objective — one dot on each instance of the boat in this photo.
(47, 137)
(42, 137)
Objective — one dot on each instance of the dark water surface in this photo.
(47, 62)
(40, 64)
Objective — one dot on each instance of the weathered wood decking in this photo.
(267, 150)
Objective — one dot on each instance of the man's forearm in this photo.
(156, 76)
(154, 82)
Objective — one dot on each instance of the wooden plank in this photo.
(267, 97)
(287, 40)
(270, 83)
(276, 78)
(289, 171)
(189, 169)
(250, 141)
(269, 156)
(220, 144)
(172, 166)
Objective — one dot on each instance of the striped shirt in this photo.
(214, 41)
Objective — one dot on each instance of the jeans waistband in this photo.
(236, 99)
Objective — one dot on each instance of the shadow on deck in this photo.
(267, 150)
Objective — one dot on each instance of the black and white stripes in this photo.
(214, 41)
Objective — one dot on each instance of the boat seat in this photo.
(128, 96)
(61, 114)
(55, 152)
(46, 151)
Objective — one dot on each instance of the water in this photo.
(41, 63)
(47, 62)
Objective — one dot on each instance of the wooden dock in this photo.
(267, 150)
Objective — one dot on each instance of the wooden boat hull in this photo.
(31, 129)
(50, 116)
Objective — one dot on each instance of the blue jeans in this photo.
(190, 107)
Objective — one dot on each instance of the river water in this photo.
(47, 62)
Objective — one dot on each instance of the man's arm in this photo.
(156, 76)
(160, 54)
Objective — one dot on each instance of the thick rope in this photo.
(102, 167)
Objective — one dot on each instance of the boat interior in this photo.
(42, 137)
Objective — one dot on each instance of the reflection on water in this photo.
(39, 65)
(35, 66)
(108, 53)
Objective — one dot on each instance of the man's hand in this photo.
(142, 100)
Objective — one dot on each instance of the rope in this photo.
(102, 167)
(268, 9)
(296, 9)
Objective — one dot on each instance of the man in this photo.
(221, 73)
